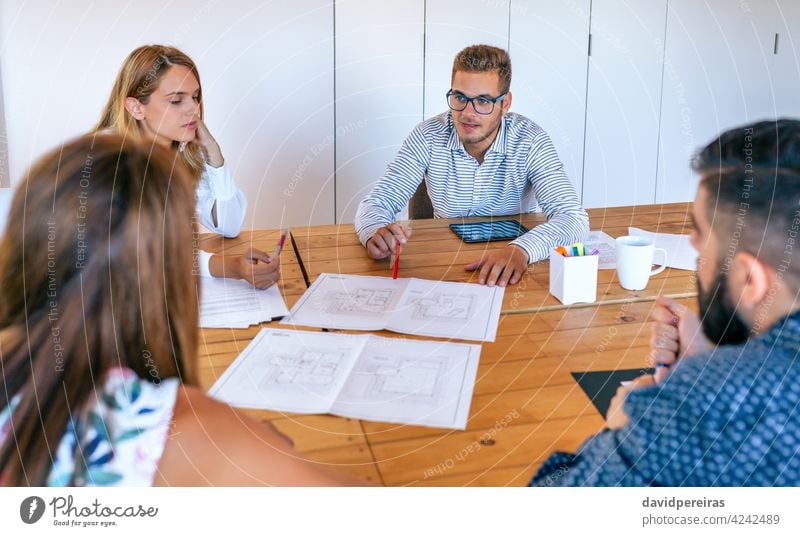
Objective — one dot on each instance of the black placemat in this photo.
(601, 385)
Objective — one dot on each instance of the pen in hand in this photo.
(396, 263)
(281, 242)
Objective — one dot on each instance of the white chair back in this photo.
(6, 195)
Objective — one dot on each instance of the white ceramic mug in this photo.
(635, 261)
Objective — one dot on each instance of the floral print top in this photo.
(118, 438)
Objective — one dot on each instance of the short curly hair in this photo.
(485, 58)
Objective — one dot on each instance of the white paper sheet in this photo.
(413, 306)
(295, 371)
(348, 302)
(680, 253)
(427, 383)
(448, 309)
(233, 303)
(606, 249)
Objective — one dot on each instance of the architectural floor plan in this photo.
(447, 307)
(414, 306)
(427, 383)
(361, 301)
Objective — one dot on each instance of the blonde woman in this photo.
(98, 334)
(157, 96)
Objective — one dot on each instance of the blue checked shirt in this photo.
(521, 172)
(730, 417)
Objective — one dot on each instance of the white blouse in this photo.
(217, 186)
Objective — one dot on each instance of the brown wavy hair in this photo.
(94, 274)
(139, 76)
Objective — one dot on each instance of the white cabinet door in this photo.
(379, 91)
(451, 25)
(269, 74)
(785, 59)
(721, 71)
(549, 51)
(623, 102)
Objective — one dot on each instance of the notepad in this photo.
(233, 303)
(425, 383)
(414, 306)
(680, 252)
(606, 249)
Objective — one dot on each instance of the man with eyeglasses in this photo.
(478, 159)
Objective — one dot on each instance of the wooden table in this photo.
(435, 252)
(526, 404)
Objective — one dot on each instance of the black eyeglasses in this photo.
(481, 104)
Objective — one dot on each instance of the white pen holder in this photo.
(573, 279)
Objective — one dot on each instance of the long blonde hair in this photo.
(139, 76)
(93, 275)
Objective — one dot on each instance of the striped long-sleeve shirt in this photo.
(521, 172)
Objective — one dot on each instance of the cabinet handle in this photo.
(775, 49)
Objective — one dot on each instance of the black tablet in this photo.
(488, 231)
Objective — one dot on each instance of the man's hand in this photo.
(617, 418)
(382, 243)
(254, 266)
(501, 266)
(676, 333)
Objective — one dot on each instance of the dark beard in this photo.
(721, 323)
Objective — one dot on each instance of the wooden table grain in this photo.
(435, 252)
(525, 405)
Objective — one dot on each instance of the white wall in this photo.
(306, 142)
(379, 84)
(549, 44)
(623, 102)
(5, 178)
(266, 69)
(721, 71)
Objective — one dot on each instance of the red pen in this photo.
(396, 260)
(281, 242)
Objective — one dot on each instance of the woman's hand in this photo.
(258, 269)
(209, 145)
(254, 266)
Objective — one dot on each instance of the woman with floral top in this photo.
(98, 334)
